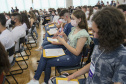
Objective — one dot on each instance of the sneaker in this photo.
(43, 83)
(33, 82)
(51, 80)
(64, 75)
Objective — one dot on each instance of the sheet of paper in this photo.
(54, 52)
(67, 82)
(50, 39)
(52, 31)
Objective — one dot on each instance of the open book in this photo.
(52, 31)
(64, 81)
(51, 40)
(51, 53)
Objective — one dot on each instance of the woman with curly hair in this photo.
(108, 60)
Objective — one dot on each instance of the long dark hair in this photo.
(111, 24)
(80, 14)
(4, 62)
(25, 20)
(90, 12)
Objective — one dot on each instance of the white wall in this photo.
(69, 3)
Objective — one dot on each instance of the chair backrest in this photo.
(84, 50)
(27, 32)
(33, 26)
(11, 51)
(21, 41)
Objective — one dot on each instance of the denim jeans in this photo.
(45, 64)
(45, 39)
(34, 31)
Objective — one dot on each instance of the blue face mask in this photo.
(96, 42)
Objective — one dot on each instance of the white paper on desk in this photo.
(52, 31)
(54, 52)
(67, 82)
(50, 39)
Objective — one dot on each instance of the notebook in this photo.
(52, 31)
(52, 53)
(64, 81)
(51, 40)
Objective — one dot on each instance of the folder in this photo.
(52, 25)
(51, 40)
(90, 32)
(64, 81)
(52, 53)
(52, 31)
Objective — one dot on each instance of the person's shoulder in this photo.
(84, 32)
(122, 51)
(69, 24)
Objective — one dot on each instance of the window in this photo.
(84, 2)
(28, 4)
(36, 4)
(9, 4)
(53, 3)
(20, 5)
(76, 3)
(45, 4)
(61, 3)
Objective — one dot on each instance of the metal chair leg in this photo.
(7, 80)
(13, 78)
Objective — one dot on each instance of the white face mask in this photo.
(64, 21)
(56, 13)
(74, 23)
(94, 11)
(87, 12)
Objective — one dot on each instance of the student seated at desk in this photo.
(6, 37)
(77, 38)
(18, 31)
(108, 61)
(64, 14)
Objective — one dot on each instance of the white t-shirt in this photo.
(18, 32)
(6, 39)
(8, 22)
(56, 18)
(90, 21)
(25, 26)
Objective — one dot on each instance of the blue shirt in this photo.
(67, 28)
(109, 67)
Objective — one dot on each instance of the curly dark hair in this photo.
(80, 14)
(110, 22)
(4, 62)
